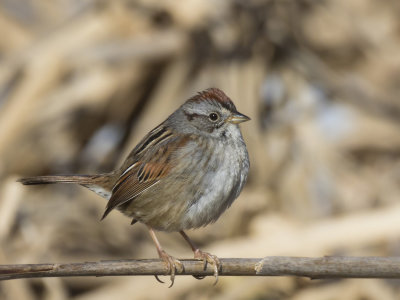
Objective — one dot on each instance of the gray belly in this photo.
(219, 191)
(190, 199)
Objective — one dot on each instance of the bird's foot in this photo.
(173, 266)
(208, 258)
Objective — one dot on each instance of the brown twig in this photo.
(315, 268)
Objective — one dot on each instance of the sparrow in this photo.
(183, 174)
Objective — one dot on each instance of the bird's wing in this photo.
(146, 172)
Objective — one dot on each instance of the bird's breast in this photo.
(207, 177)
(225, 173)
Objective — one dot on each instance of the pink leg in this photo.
(205, 256)
(172, 263)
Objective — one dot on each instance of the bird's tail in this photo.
(80, 179)
(101, 184)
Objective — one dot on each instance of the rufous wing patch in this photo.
(143, 175)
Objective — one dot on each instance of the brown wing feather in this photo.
(130, 186)
(143, 174)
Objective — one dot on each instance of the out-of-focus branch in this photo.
(315, 268)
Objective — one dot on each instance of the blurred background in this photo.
(81, 82)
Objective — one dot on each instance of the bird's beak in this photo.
(237, 118)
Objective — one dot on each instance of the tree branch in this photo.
(315, 268)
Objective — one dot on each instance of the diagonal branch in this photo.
(315, 268)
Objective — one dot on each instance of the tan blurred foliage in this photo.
(82, 81)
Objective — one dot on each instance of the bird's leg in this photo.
(204, 256)
(172, 263)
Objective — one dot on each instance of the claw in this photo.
(158, 279)
(208, 258)
(173, 265)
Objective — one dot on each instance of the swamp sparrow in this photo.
(184, 173)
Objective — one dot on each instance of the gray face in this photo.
(208, 116)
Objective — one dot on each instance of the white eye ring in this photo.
(214, 117)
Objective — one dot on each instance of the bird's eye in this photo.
(213, 117)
